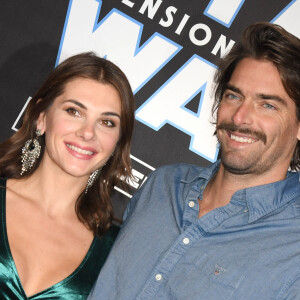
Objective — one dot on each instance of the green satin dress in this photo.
(76, 286)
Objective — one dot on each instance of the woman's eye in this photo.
(72, 111)
(107, 123)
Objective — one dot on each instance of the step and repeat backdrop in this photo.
(167, 48)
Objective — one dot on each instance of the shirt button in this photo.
(245, 210)
(186, 241)
(158, 277)
(191, 204)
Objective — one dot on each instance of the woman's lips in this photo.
(81, 152)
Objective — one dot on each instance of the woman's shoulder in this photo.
(108, 238)
(102, 245)
(3, 182)
(112, 232)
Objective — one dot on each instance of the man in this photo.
(230, 231)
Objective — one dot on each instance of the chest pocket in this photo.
(201, 276)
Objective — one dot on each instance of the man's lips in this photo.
(242, 134)
(241, 139)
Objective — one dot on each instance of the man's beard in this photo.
(239, 164)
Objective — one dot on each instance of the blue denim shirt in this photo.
(248, 249)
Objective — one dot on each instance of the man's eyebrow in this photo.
(272, 97)
(76, 103)
(233, 88)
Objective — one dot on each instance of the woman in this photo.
(58, 171)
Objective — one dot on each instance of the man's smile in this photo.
(241, 139)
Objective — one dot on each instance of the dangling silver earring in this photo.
(92, 179)
(30, 153)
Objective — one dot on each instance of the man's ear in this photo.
(298, 134)
(41, 123)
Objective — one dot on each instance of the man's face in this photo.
(257, 126)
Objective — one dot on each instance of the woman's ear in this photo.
(41, 122)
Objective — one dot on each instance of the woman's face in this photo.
(82, 127)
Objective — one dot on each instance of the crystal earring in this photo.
(92, 179)
(30, 153)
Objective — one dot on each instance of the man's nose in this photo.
(243, 114)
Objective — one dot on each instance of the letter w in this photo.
(116, 37)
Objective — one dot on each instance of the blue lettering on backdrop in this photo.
(289, 18)
(140, 63)
(135, 41)
(224, 14)
(167, 105)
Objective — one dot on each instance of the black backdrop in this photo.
(167, 48)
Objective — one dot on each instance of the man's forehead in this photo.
(259, 76)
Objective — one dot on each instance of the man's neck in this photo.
(224, 184)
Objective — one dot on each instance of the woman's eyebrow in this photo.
(109, 113)
(76, 103)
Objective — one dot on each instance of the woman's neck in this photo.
(54, 191)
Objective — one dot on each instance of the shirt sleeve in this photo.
(131, 204)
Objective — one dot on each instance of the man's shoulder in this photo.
(164, 181)
(182, 171)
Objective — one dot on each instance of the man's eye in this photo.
(232, 97)
(72, 111)
(269, 106)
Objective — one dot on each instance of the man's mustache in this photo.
(232, 127)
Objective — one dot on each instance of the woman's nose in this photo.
(86, 131)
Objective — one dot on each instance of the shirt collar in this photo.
(261, 200)
(205, 173)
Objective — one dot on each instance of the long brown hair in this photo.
(93, 208)
(270, 42)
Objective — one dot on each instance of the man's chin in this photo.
(237, 170)
(238, 167)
